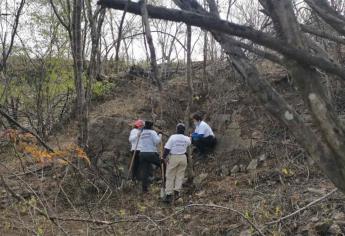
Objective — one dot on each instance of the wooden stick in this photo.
(133, 156)
(162, 164)
(303, 208)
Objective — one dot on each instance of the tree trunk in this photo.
(119, 38)
(153, 60)
(77, 51)
(309, 82)
(190, 170)
(96, 22)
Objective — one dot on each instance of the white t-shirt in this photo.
(204, 128)
(133, 138)
(148, 141)
(178, 143)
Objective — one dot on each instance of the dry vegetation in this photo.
(57, 198)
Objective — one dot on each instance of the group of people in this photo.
(144, 141)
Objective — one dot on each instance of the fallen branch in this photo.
(43, 212)
(138, 218)
(93, 221)
(303, 208)
(228, 209)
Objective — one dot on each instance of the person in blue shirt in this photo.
(203, 137)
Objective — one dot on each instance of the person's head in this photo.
(180, 128)
(138, 124)
(197, 117)
(148, 124)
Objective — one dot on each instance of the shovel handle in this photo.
(162, 164)
(133, 156)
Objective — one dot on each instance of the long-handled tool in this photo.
(162, 195)
(133, 156)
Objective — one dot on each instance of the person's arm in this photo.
(133, 135)
(189, 141)
(165, 153)
(156, 137)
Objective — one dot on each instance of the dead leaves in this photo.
(26, 144)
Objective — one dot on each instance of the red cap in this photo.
(139, 124)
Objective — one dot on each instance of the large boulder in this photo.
(108, 148)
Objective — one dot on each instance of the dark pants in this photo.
(205, 145)
(135, 167)
(146, 159)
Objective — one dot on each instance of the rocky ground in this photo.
(256, 176)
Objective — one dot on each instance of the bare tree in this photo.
(71, 17)
(118, 42)
(301, 56)
(190, 96)
(96, 19)
(8, 46)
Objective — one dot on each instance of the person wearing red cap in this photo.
(133, 139)
(148, 141)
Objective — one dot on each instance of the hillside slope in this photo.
(256, 175)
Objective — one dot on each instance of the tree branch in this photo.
(303, 208)
(322, 34)
(62, 22)
(145, 17)
(213, 24)
(328, 14)
(13, 33)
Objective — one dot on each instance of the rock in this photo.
(179, 201)
(246, 233)
(197, 181)
(304, 230)
(338, 216)
(235, 169)
(108, 148)
(263, 157)
(230, 138)
(242, 168)
(225, 171)
(335, 230)
(201, 193)
(322, 227)
(220, 121)
(252, 165)
(187, 217)
(205, 231)
(341, 223)
(317, 191)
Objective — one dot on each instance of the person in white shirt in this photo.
(133, 139)
(148, 141)
(203, 137)
(175, 156)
